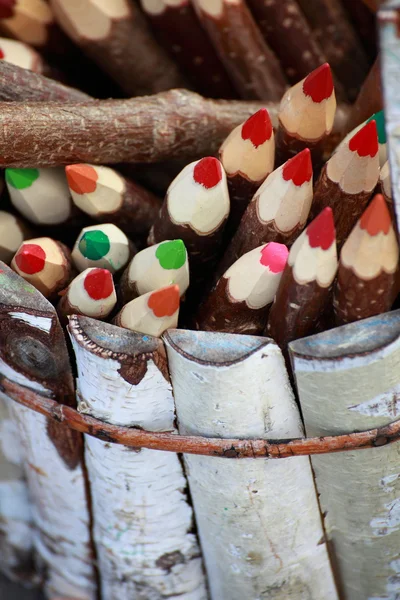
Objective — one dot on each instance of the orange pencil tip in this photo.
(82, 179)
(165, 301)
(376, 217)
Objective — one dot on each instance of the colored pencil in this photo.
(278, 211)
(116, 37)
(107, 196)
(379, 119)
(248, 156)
(13, 232)
(240, 301)
(160, 265)
(40, 195)
(104, 246)
(153, 313)
(348, 180)
(304, 289)
(306, 116)
(45, 263)
(366, 282)
(250, 63)
(178, 30)
(281, 21)
(369, 99)
(20, 54)
(339, 41)
(385, 188)
(91, 293)
(195, 210)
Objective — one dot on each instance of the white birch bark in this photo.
(142, 521)
(349, 380)
(258, 520)
(16, 529)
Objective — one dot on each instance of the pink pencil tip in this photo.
(299, 168)
(257, 128)
(321, 232)
(274, 256)
(319, 84)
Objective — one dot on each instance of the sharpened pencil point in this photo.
(257, 128)
(208, 172)
(165, 302)
(274, 256)
(299, 168)
(82, 179)
(321, 232)
(319, 84)
(365, 141)
(94, 244)
(99, 284)
(21, 179)
(171, 254)
(379, 119)
(376, 217)
(30, 259)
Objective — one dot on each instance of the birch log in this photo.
(258, 520)
(33, 354)
(16, 531)
(349, 379)
(142, 520)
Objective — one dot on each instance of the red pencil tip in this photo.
(274, 256)
(319, 83)
(7, 8)
(82, 179)
(99, 284)
(1, 53)
(208, 172)
(299, 168)
(365, 141)
(30, 259)
(321, 232)
(257, 128)
(165, 301)
(376, 217)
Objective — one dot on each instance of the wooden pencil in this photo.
(46, 264)
(250, 63)
(195, 210)
(91, 293)
(278, 211)
(282, 21)
(306, 116)
(366, 282)
(247, 156)
(115, 35)
(304, 289)
(241, 299)
(34, 360)
(13, 231)
(148, 549)
(178, 30)
(106, 196)
(104, 246)
(153, 313)
(160, 265)
(379, 119)
(339, 41)
(348, 179)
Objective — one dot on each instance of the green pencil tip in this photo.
(171, 254)
(379, 119)
(21, 179)
(94, 244)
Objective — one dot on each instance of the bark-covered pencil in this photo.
(304, 289)
(91, 293)
(240, 301)
(46, 264)
(250, 63)
(379, 119)
(278, 211)
(13, 232)
(280, 21)
(107, 196)
(160, 265)
(348, 180)
(248, 156)
(178, 30)
(104, 246)
(153, 313)
(40, 195)
(366, 281)
(142, 519)
(306, 116)
(115, 35)
(195, 210)
(339, 41)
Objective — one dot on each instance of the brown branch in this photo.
(225, 448)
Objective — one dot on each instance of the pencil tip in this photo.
(82, 179)
(274, 256)
(7, 8)
(321, 231)
(208, 172)
(30, 259)
(98, 284)
(319, 84)
(165, 301)
(379, 118)
(21, 179)
(298, 168)
(171, 254)
(365, 141)
(376, 217)
(258, 128)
